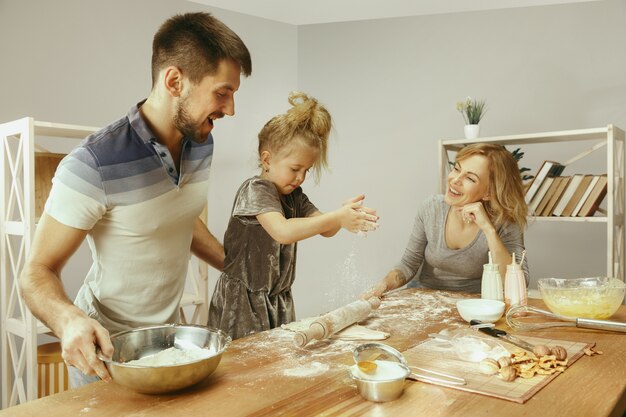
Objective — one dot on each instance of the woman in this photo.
(482, 210)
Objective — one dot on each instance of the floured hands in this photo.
(357, 218)
(79, 340)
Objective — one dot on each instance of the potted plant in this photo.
(472, 111)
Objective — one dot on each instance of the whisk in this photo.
(518, 316)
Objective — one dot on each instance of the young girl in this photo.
(270, 214)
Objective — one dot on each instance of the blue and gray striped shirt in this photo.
(121, 184)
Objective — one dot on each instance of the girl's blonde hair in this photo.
(306, 120)
(506, 201)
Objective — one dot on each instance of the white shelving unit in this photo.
(19, 329)
(610, 139)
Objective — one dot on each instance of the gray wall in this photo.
(391, 85)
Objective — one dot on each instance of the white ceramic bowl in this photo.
(487, 311)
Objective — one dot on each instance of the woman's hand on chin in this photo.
(476, 213)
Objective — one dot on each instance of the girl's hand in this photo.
(358, 199)
(476, 213)
(355, 217)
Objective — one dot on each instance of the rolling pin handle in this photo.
(374, 302)
(315, 331)
(300, 339)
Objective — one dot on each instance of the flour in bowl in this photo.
(172, 356)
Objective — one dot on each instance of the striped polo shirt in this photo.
(123, 186)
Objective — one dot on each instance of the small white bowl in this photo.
(487, 311)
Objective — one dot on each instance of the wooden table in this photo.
(266, 375)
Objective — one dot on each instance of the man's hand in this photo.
(80, 339)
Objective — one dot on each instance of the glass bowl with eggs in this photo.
(590, 298)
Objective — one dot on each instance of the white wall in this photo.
(392, 86)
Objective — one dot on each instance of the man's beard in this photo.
(184, 124)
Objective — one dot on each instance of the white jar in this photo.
(515, 291)
(491, 284)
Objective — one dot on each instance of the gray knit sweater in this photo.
(450, 269)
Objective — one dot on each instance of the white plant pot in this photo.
(471, 131)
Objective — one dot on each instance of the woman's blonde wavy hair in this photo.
(506, 203)
(306, 120)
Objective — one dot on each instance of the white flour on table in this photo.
(402, 313)
(172, 356)
(312, 369)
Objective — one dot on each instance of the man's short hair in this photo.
(196, 43)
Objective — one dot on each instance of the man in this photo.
(135, 190)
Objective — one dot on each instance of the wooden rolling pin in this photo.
(336, 320)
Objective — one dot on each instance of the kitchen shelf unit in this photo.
(19, 144)
(611, 140)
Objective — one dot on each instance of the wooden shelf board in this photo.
(16, 326)
(547, 137)
(599, 219)
(189, 299)
(14, 228)
(61, 130)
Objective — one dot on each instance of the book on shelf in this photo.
(547, 169)
(584, 197)
(554, 184)
(567, 194)
(595, 198)
(540, 194)
(556, 196)
(573, 201)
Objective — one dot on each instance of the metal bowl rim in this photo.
(377, 345)
(227, 341)
(377, 381)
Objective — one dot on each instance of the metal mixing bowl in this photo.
(590, 298)
(380, 390)
(138, 343)
(374, 388)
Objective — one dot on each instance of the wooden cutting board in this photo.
(518, 391)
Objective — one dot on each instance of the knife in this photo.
(501, 334)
